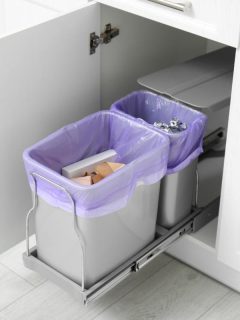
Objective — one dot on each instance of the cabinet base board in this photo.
(198, 251)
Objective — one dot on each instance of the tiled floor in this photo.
(166, 289)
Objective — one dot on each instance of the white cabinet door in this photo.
(228, 239)
(47, 79)
(213, 19)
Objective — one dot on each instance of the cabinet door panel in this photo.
(228, 237)
(47, 79)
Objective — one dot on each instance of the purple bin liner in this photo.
(142, 149)
(147, 107)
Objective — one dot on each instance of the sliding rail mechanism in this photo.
(163, 239)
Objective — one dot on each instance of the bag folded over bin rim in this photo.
(145, 107)
(143, 150)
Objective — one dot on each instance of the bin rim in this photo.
(166, 98)
(199, 120)
(50, 172)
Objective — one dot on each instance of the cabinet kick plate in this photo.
(105, 37)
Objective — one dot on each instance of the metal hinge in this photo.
(105, 37)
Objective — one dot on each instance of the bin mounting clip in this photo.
(105, 37)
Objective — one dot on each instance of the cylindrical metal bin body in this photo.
(110, 240)
(176, 196)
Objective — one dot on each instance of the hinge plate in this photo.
(105, 37)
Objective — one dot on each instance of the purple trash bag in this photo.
(142, 149)
(147, 107)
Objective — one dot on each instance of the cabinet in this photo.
(48, 78)
(216, 20)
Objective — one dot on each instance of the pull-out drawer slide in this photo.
(164, 238)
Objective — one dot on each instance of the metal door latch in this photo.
(105, 37)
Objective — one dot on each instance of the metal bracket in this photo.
(213, 139)
(207, 214)
(105, 37)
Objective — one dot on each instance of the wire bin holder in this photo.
(197, 218)
(75, 222)
(196, 189)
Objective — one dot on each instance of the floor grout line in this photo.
(17, 274)
(148, 278)
(20, 276)
(19, 298)
(215, 303)
(16, 300)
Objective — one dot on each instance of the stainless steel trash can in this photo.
(185, 146)
(203, 83)
(85, 232)
(110, 240)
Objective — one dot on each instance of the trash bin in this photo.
(205, 84)
(177, 187)
(115, 217)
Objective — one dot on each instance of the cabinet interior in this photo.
(53, 80)
(144, 47)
